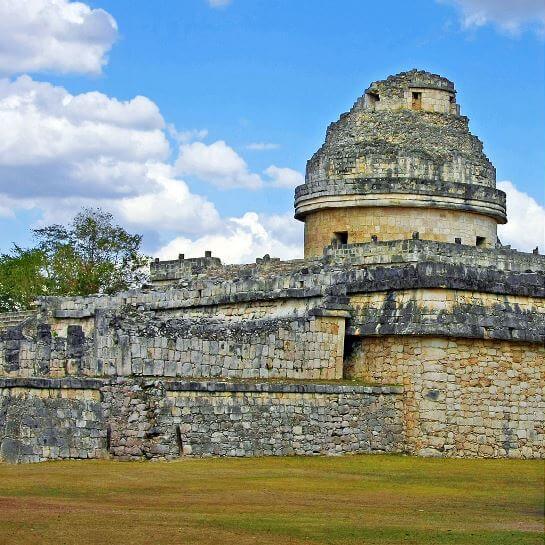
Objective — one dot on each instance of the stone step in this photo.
(12, 319)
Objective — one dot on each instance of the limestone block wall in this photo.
(463, 397)
(309, 347)
(139, 419)
(437, 93)
(396, 223)
(37, 352)
(431, 100)
(245, 419)
(462, 313)
(50, 423)
(124, 344)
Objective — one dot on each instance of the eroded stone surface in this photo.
(415, 294)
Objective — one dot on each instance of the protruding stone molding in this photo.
(388, 193)
(67, 383)
(395, 184)
(278, 388)
(483, 329)
(446, 276)
(301, 387)
(343, 312)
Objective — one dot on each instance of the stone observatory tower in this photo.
(407, 327)
(401, 161)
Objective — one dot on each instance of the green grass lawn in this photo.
(356, 499)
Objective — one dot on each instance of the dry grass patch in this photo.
(368, 500)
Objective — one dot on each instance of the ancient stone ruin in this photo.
(407, 327)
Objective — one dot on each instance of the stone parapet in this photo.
(414, 251)
(180, 268)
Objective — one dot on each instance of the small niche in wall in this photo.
(179, 440)
(340, 237)
(480, 241)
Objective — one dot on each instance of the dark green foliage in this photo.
(91, 255)
(21, 278)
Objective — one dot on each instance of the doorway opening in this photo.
(417, 101)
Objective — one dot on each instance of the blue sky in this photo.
(238, 97)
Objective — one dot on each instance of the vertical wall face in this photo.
(464, 397)
(284, 423)
(38, 424)
(308, 347)
(396, 223)
(139, 419)
(414, 98)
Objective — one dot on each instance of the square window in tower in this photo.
(340, 237)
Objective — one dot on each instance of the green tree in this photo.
(91, 255)
(21, 278)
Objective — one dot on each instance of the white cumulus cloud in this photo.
(218, 164)
(56, 143)
(222, 166)
(242, 240)
(173, 207)
(509, 15)
(284, 177)
(61, 151)
(54, 35)
(525, 228)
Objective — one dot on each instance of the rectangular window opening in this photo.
(481, 241)
(373, 97)
(340, 237)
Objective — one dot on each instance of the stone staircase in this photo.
(11, 319)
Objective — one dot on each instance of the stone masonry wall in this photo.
(138, 419)
(453, 313)
(38, 424)
(308, 347)
(463, 397)
(395, 223)
(171, 419)
(133, 344)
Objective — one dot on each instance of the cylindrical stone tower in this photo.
(401, 161)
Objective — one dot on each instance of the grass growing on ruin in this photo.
(351, 500)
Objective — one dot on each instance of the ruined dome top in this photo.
(405, 134)
(395, 85)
